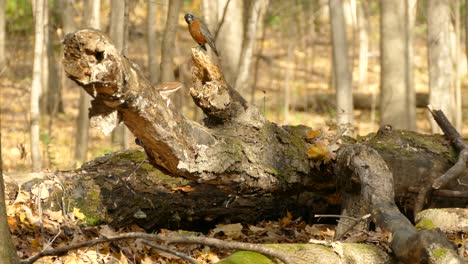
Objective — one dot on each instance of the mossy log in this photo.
(236, 167)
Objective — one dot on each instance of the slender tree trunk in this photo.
(363, 46)
(394, 93)
(344, 89)
(54, 95)
(228, 42)
(36, 86)
(153, 65)
(7, 248)
(410, 19)
(118, 33)
(2, 35)
(458, 96)
(45, 61)
(248, 46)
(92, 20)
(262, 29)
(167, 49)
(441, 87)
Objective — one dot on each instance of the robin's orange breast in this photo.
(194, 29)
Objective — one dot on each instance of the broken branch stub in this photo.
(237, 148)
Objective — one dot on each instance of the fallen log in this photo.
(237, 166)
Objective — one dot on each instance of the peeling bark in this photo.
(253, 155)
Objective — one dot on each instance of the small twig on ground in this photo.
(337, 216)
(172, 252)
(171, 239)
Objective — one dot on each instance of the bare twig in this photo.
(172, 239)
(172, 252)
(222, 20)
(357, 221)
(455, 138)
(339, 216)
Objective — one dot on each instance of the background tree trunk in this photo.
(393, 98)
(54, 94)
(228, 40)
(152, 41)
(118, 32)
(441, 87)
(363, 45)
(168, 41)
(2, 34)
(92, 20)
(458, 65)
(344, 89)
(248, 46)
(410, 19)
(7, 248)
(36, 86)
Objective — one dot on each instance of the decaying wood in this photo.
(232, 133)
(454, 172)
(237, 166)
(372, 182)
(452, 134)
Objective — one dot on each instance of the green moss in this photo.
(425, 224)
(246, 257)
(90, 221)
(408, 142)
(130, 155)
(439, 253)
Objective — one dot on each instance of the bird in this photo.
(200, 32)
(167, 89)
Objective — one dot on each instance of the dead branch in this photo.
(171, 239)
(363, 168)
(172, 252)
(452, 134)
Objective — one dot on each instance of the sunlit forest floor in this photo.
(58, 134)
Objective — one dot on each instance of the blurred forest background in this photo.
(287, 57)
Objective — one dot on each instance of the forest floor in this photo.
(58, 143)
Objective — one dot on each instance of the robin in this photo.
(200, 32)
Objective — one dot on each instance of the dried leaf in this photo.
(233, 231)
(79, 215)
(286, 219)
(319, 151)
(185, 189)
(123, 258)
(314, 134)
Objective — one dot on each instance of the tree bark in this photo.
(458, 60)
(441, 87)
(153, 64)
(341, 68)
(36, 86)
(118, 32)
(91, 20)
(228, 42)
(363, 46)
(2, 34)
(248, 46)
(237, 166)
(167, 49)
(394, 106)
(362, 166)
(7, 248)
(410, 19)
